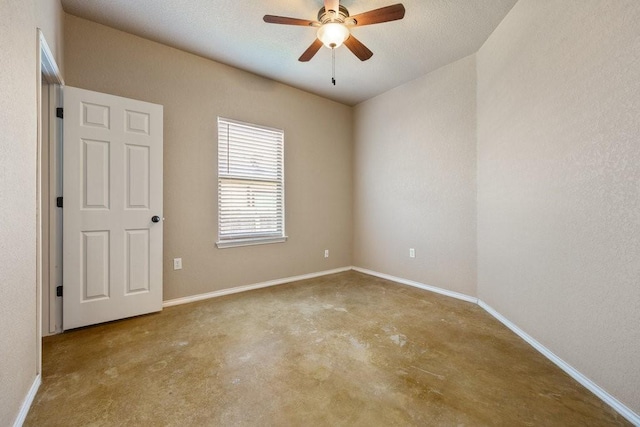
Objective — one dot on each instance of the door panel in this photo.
(137, 179)
(95, 256)
(112, 189)
(95, 176)
(138, 262)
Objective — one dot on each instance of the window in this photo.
(250, 184)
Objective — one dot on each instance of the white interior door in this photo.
(112, 188)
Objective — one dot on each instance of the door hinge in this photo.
(59, 202)
(60, 112)
(59, 291)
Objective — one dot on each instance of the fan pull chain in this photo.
(333, 64)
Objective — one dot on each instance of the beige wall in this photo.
(415, 180)
(18, 199)
(18, 141)
(558, 182)
(194, 91)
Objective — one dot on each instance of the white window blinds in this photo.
(250, 184)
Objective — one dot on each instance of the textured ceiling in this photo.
(433, 33)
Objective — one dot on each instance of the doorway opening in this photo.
(48, 182)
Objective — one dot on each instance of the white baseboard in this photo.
(229, 291)
(28, 400)
(419, 285)
(573, 373)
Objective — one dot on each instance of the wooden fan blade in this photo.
(377, 16)
(332, 5)
(311, 51)
(272, 19)
(361, 51)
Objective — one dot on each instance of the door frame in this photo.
(48, 72)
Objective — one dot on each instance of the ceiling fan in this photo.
(334, 24)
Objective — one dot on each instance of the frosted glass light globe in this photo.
(333, 34)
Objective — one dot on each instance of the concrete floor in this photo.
(346, 349)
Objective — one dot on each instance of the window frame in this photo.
(252, 238)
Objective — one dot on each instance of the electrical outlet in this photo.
(412, 253)
(326, 253)
(177, 263)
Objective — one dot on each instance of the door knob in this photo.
(155, 218)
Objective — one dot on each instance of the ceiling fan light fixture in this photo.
(333, 34)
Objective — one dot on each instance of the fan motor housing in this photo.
(341, 16)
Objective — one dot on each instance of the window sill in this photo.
(250, 242)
